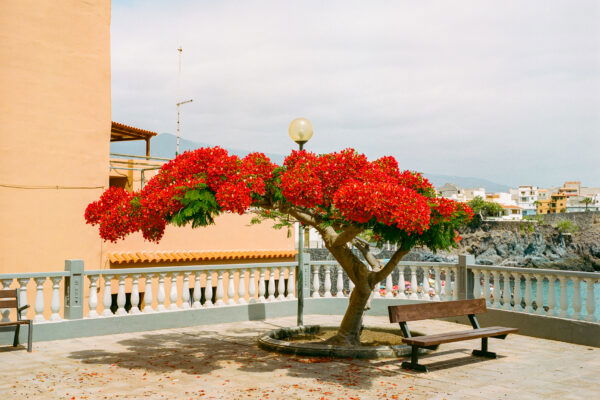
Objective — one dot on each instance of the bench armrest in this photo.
(21, 309)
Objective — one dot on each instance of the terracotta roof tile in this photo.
(186, 255)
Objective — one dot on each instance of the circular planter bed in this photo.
(309, 341)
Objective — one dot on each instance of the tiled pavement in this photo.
(223, 362)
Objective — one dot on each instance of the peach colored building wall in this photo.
(55, 124)
(55, 127)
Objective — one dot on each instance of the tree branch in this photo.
(389, 266)
(347, 235)
(365, 248)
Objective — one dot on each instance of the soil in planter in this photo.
(369, 337)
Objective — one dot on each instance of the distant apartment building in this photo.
(511, 212)
(454, 192)
(583, 203)
(526, 197)
(556, 204)
(570, 188)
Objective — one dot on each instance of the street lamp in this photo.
(300, 131)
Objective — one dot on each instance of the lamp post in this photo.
(300, 131)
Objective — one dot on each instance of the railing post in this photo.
(73, 296)
(306, 276)
(464, 277)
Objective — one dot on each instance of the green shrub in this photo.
(566, 226)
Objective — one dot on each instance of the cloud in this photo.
(508, 91)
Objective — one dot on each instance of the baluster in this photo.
(291, 284)
(401, 283)
(506, 292)
(6, 311)
(55, 304)
(242, 287)
(453, 284)
(316, 286)
(93, 296)
(496, 291)
(413, 284)
(39, 299)
(251, 286)
(148, 298)
(388, 286)
(476, 283)
(590, 300)
(563, 297)
(23, 295)
(219, 298)
(161, 296)
(280, 284)
(576, 298)
(437, 283)
(197, 291)
(185, 291)
(107, 295)
(261, 285)
(539, 294)
(121, 296)
(528, 308)
(426, 288)
(230, 288)
(339, 282)
(486, 287)
(327, 283)
(551, 296)
(173, 291)
(135, 294)
(208, 290)
(271, 284)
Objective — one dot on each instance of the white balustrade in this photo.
(219, 297)
(148, 298)
(426, 289)
(271, 284)
(6, 311)
(506, 291)
(528, 308)
(539, 294)
(339, 282)
(291, 283)
(242, 287)
(563, 297)
(438, 285)
(486, 287)
(55, 303)
(401, 283)
(551, 296)
(576, 297)
(316, 285)
(251, 286)
(161, 296)
(121, 296)
(389, 286)
(208, 290)
(93, 296)
(280, 285)
(261, 285)
(413, 283)
(23, 282)
(230, 288)
(185, 291)
(173, 292)
(496, 291)
(327, 283)
(590, 300)
(135, 294)
(39, 299)
(476, 283)
(197, 291)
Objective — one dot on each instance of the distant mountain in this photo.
(163, 146)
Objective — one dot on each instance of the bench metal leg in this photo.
(16, 339)
(414, 361)
(29, 336)
(484, 350)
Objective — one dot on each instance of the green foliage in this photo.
(200, 208)
(566, 226)
(280, 219)
(485, 208)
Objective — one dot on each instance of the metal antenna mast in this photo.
(178, 104)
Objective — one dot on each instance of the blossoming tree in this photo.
(340, 194)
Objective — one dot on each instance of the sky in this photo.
(502, 90)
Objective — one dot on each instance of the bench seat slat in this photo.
(449, 337)
(24, 322)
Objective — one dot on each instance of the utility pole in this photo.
(180, 51)
(178, 131)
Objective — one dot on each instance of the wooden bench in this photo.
(416, 312)
(10, 299)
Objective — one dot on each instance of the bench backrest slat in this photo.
(416, 312)
(10, 293)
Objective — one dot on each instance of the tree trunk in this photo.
(349, 330)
